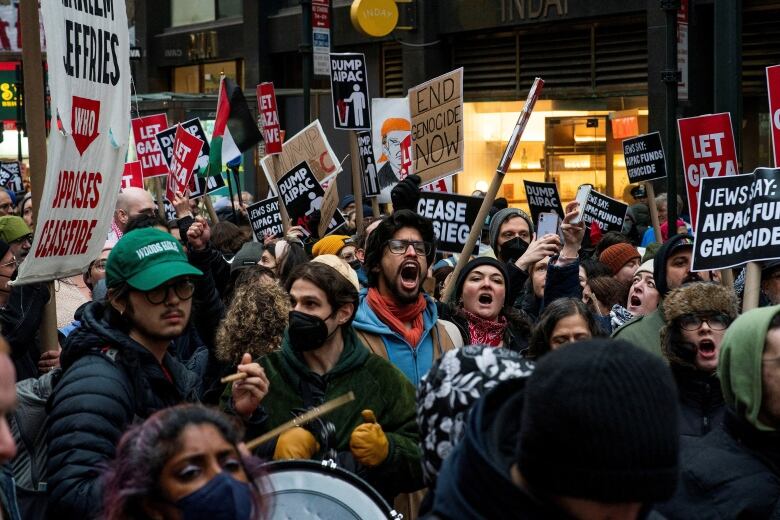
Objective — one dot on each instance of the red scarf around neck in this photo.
(485, 332)
(396, 316)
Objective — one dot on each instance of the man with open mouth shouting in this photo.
(396, 319)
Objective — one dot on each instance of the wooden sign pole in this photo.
(650, 190)
(357, 181)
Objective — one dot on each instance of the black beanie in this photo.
(599, 422)
(473, 264)
(662, 255)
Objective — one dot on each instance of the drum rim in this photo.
(330, 468)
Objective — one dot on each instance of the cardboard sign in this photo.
(708, 150)
(269, 118)
(607, 212)
(11, 176)
(146, 146)
(309, 145)
(645, 160)
(186, 148)
(90, 92)
(303, 195)
(349, 92)
(436, 108)
(773, 88)
(370, 179)
(452, 217)
(392, 142)
(168, 136)
(200, 186)
(542, 197)
(739, 220)
(330, 204)
(132, 175)
(265, 218)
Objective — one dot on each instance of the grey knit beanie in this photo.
(500, 217)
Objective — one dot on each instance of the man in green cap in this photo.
(117, 368)
(16, 233)
(734, 471)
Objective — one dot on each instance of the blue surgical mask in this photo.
(222, 498)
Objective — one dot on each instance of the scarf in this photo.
(485, 332)
(116, 230)
(618, 316)
(395, 316)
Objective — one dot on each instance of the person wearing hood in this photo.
(321, 358)
(117, 366)
(697, 315)
(482, 313)
(574, 440)
(734, 471)
(671, 269)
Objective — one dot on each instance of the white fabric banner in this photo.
(89, 79)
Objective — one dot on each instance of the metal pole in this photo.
(306, 50)
(670, 77)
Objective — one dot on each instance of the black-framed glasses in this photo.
(23, 239)
(399, 247)
(718, 321)
(184, 290)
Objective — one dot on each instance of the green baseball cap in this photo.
(147, 258)
(12, 228)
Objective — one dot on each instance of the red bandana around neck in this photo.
(485, 332)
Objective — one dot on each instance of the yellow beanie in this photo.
(330, 245)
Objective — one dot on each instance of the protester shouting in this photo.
(183, 462)
(643, 297)
(321, 359)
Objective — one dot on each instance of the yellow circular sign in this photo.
(375, 18)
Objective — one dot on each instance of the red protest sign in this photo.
(773, 87)
(266, 107)
(186, 149)
(146, 146)
(85, 116)
(708, 150)
(132, 175)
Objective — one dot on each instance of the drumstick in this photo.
(302, 419)
(233, 377)
(368, 416)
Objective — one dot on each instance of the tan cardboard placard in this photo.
(329, 204)
(310, 145)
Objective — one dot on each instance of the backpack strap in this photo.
(446, 336)
(373, 343)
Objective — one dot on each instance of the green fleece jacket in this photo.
(740, 360)
(644, 331)
(377, 385)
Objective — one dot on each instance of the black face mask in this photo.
(307, 332)
(513, 249)
(355, 264)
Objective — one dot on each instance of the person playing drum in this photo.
(321, 358)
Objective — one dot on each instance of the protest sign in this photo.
(303, 195)
(607, 212)
(265, 218)
(739, 220)
(442, 185)
(200, 186)
(436, 108)
(392, 142)
(269, 118)
(90, 94)
(370, 180)
(542, 197)
(773, 88)
(186, 148)
(170, 211)
(644, 157)
(330, 203)
(166, 138)
(11, 176)
(452, 217)
(349, 91)
(146, 146)
(309, 145)
(132, 175)
(708, 150)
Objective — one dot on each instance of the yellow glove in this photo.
(368, 442)
(296, 443)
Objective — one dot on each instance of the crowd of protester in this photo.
(578, 375)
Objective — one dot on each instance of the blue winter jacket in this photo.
(413, 362)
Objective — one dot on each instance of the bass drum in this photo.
(307, 489)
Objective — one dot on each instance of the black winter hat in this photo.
(599, 422)
(662, 255)
(473, 264)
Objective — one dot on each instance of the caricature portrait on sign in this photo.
(392, 140)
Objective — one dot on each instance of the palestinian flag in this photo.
(235, 130)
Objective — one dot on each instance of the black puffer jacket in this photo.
(20, 321)
(701, 401)
(108, 382)
(733, 472)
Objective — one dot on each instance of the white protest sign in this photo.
(90, 92)
(391, 136)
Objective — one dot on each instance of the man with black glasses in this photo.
(396, 319)
(116, 365)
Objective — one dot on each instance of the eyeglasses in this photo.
(399, 247)
(23, 239)
(100, 265)
(6, 206)
(717, 321)
(184, 290)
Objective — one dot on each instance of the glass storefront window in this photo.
(186, 12)
(211, 73)
(226, 8)
(204, 78)
(185, 79)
